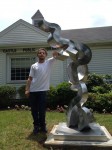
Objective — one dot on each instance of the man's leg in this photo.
(34, 111)
(42, 110)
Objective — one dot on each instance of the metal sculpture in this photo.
(80, 54)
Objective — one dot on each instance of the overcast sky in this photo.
(68, 14)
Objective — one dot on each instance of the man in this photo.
(37, 84)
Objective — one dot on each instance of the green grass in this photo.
(104, 120)
(16, 129)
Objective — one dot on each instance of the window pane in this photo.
(20, 68)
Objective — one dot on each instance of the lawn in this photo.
(16, 129)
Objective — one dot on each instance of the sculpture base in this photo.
(61, 135)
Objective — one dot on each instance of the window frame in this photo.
(9, 57)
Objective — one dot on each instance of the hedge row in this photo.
(99, 91)
(100, 102)
(7, 94)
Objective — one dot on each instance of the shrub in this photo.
(64, 94)
(51, 98)
(7, 94)
(60, 95)
(23, 99)
(21, 91)
(101, 89)
(107, 76)
(94, 80)
(100, 93)
(99, 102)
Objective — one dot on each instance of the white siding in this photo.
(57, 72)
(22, 34)
(2, 68)
(65, 74)
(101, 62)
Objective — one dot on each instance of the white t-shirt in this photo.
(40, 72)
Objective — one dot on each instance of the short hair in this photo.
(41, 49)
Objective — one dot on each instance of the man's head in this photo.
(41, 49)
(41, 54)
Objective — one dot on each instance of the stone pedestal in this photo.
(63, 136)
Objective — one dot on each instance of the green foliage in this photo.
(64, 93)
(100, 102)
(97, 83)
(105, 88)
(51, 98)
(60, 95)
(21, 91)
(7, 93)
(23, 99)
(100, 94)
(107, 76)
(94, 80)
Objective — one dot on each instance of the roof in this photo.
(37, 15)
(89, 35)
(22, 33)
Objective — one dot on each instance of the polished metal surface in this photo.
(80, 54)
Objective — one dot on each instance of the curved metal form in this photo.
(80, 54)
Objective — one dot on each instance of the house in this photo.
(18, 44)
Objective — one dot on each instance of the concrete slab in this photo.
(61, 135)
(96, 133)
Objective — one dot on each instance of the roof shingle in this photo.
(89, 35)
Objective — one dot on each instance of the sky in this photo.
(68, 14)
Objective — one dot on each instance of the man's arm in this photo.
(27, 89)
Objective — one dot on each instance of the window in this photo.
(20, 68)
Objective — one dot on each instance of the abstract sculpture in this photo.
(80, 54)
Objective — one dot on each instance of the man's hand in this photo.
(27, 90)
(55, 54)
(27, 93)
